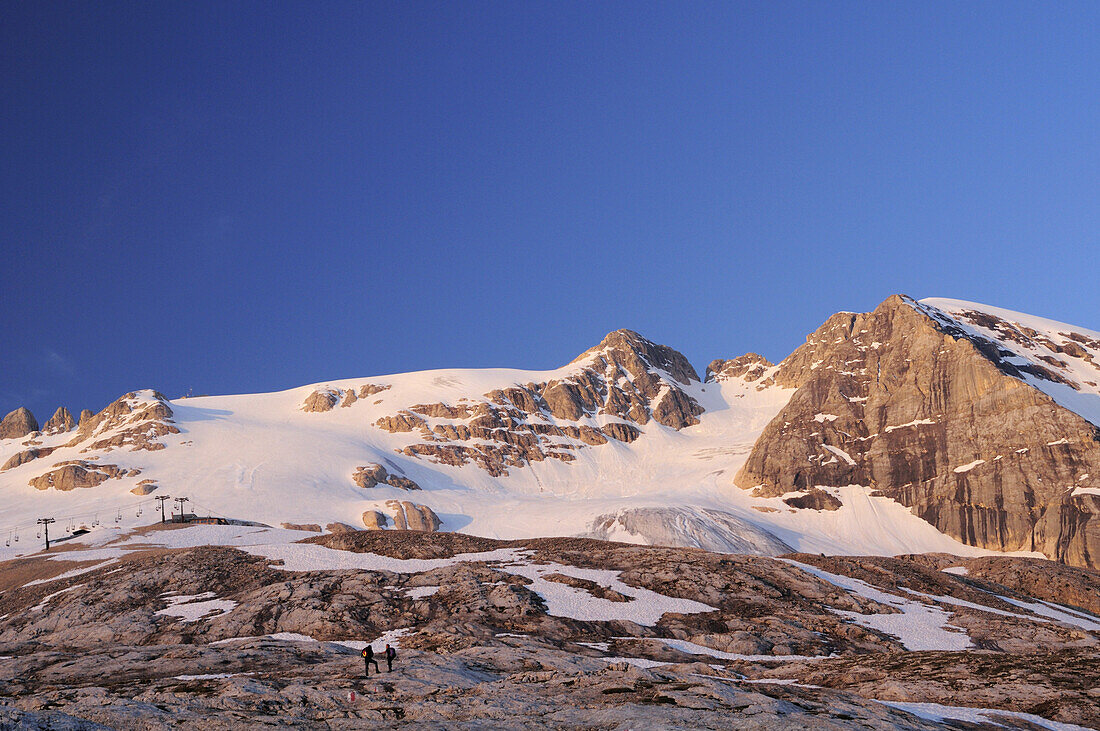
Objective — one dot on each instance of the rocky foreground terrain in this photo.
(156, 631)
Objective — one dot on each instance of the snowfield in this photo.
(261, 457)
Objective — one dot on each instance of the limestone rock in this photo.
(904, 402)
(61, 421)
(321, 400)
(626, 377)
(374, 520)
(341, 528)
(85, 415)
(145, 487)
(369, 475)
(402, 483)
(749, 367)
(26, 456)
(373, 474)
(410, 516)
(18, 423)
(313, 527)
(814, 499)
(78, 474)
(137, 420)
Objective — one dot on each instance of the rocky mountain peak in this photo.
(907, 401)
(61, 421)
(18, 423)
(637, 355)
(750, 367)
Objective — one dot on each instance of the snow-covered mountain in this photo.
(628, 443)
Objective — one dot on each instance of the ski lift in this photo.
(138, 513)
(8, 542)
(118, 518)
(17, 536)
(95, 521)
(40, 534)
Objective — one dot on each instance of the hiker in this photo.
(368, 658)
(390, 655)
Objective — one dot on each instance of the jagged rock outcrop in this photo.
(79, 474)
(373, 474)
(320, 401)
(137, 420)
(906, 402)
(85, 414)
(25, 456)
(61, 421)
(410, 516)
(626, 377)
(18, 423)
(749, 367)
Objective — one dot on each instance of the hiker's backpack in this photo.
(364, 652)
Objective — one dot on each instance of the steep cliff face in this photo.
(945, 419)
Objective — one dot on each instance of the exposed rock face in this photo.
(319, 401)
(374, 520)
(145, 487)
(26, 456)
(61, 421)
(625, 377)
(410, 516)
(369, 475)
(372, 475)
(85, 414)
(325, 399)
(907, 403)
(340, 528)
(312, 527)
(483, 646)
(79, 474)
(750, 367)
(814, 499)
(18, 423)
(137, 420)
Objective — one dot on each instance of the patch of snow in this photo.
(420, 592)
(839, 453)
(938, 713)
(187, 609)
(1058, 614)
(71, 574)
(46, 599)
(917, 626)
(640, 662)
(1063, 440)
(969, 466)
(645, 607)
(601, 646)
(208, 676)
(915, 422)
(822, 418)
(956, 570)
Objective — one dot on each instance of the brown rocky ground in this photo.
(481, 647)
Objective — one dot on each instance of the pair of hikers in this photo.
(368, 659)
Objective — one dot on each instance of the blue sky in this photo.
(233, 197)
